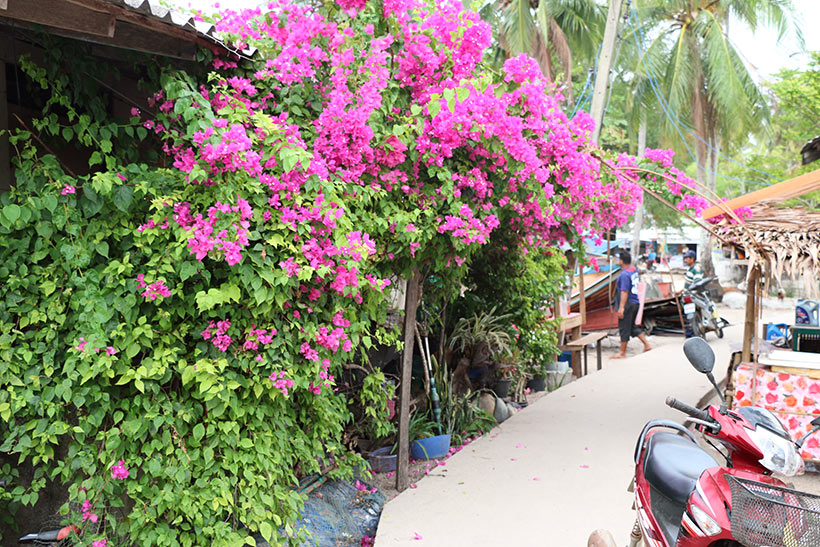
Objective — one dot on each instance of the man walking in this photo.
(628, 305)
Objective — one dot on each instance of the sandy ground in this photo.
(560, 468)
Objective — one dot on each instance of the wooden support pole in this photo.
(751, 308)
(411, 302)
(583, 297)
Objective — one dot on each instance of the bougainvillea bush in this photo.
(189, 322)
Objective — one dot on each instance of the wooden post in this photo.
(583, 297)
(411, 302)
(751, 308)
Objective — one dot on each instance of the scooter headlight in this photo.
(779, 454)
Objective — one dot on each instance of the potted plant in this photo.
(426, 440)
(476, 341)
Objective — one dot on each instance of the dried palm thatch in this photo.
(781, 241)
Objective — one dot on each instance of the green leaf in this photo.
(199, 432)
(462, 93)
(433, 107)
(11, 213)
(50, 202)
(187, 270)
(68, 133)
(96, 158)
(266, 530)
(123, 197)
(132, 349)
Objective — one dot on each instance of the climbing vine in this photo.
(187, 316)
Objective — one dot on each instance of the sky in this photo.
(761, 50)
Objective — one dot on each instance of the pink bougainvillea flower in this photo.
(68, 189)
(110, 350)
(99, 543)
(417, 536)
(81, 345)
(87, 513)
(119, 471)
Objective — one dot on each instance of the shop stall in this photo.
(779, 243)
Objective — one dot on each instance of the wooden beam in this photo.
(751, 316)
(782, 191)
(411, 302)
(145, 21)
(61, 14)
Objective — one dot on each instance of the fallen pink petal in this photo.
(584, 466)
(417, 536)
(536, 479)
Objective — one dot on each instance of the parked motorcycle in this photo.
(685, 498)
(701, 313)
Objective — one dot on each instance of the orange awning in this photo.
(781, 191)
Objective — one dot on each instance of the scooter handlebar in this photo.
(688, 409)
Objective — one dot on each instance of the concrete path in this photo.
(560, 468)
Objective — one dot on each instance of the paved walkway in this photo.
(560, 468)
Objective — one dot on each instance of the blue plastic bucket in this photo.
(430, 448)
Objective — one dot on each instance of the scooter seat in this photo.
(674, 464)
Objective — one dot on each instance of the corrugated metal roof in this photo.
(166, 15)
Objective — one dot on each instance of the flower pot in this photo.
(537, 383)
(556, 379)
(502, 387)
(558, 366)
(430, 448)
(382, 461)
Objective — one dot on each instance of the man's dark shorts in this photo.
(626, 326)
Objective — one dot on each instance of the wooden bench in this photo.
(575, 346)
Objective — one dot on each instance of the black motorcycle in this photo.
(700, 311)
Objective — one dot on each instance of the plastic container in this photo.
(777, 330)
(430, 448)
(382, 461)
(807, 312)
(538, 383)
(502, 388)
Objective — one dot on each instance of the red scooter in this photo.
(685, 498)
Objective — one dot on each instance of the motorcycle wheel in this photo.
(697, 328)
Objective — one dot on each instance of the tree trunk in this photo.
(411, 302)
(712, 158)
(636, 230)
(599, 91)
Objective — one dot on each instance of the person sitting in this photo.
(694, 273)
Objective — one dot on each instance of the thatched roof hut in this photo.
(780, 241)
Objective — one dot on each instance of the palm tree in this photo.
(549, 31)
(705, 91)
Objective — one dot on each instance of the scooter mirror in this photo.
(700, 354)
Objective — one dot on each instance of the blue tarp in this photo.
(601, 249)
(337, 514)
